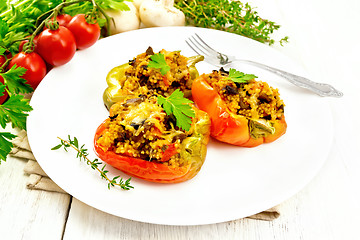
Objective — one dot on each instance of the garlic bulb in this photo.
(123, 21)
(160, 13)
(137, 3)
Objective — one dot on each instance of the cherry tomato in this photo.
(34, 64)
(56, 47)
(86, 34)
(63, 19)
(5, 95)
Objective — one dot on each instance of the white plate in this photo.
(234, 182)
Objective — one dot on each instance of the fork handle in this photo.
(322, 89)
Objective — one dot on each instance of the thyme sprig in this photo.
(230, 16)
(82, 154)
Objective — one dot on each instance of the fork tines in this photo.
(200, 46)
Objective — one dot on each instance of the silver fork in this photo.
(220, 59)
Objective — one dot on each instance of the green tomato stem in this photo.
(107, 18)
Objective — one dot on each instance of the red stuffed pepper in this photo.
(243, 111)
(140, 139)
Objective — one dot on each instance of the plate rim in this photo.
(277, 200)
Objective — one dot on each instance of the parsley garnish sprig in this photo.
(240, 77)
(179, 106)
(82, 154)
(158, 61)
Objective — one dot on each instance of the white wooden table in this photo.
(324, 39)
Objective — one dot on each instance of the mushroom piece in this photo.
(160, 13)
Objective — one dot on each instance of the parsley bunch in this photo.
(230, 16)
(15, 109)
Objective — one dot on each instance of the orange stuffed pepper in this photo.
(243, 111)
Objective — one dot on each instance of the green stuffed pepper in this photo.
(138, 77)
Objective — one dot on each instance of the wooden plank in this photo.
(29, 214)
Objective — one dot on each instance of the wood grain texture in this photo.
(28, 214)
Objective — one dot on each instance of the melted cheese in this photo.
(141, 112)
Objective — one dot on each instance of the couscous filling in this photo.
(142, 79)
(140, 128)
(254, 99)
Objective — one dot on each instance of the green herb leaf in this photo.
(15, 110)
(5, 144)
(2, 89)
(14, 82)
(158, 61)
(56, 147)
(4, 28)
(179, 106)
(87, 6)
(113, 4)
(2, 51)
(240, 77)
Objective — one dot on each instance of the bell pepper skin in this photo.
(193, 149)
(116, 77)
(227, 126)
(110, 95)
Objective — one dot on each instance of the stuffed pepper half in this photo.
(159, 73)
(243, 111)
(142, 140)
